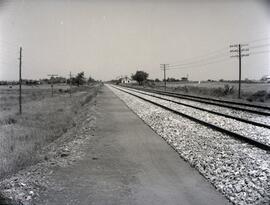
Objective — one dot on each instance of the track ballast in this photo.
(236, 135)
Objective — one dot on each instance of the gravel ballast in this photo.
(248, 130)
(238, 170)
(245, 115)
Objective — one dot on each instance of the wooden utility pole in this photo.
(164, 67)
(69, 84)
(240, 63)
(20, 81)
(240, 54)
(52, 76)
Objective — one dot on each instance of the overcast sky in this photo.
(109, 38)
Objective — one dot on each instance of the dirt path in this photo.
(127, 163)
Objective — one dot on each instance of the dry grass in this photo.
(246, 87)
(44, 119)
(253, 92)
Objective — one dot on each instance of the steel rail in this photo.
(210, 111)
(205, 102)
(209, 125)
(217, 100)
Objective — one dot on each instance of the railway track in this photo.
(255, 142)
(245, 107)
(211, 111)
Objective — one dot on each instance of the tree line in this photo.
(142, 76)
(77, 80)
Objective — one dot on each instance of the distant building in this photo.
(30, 82)
(125, 80)
(184, 79)
(59, 80)
(266, 78)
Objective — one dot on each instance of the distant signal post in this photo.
(52, 78)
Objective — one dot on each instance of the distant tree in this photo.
(91, 80)
(140, 76)
(248, 80)
(172, 80)
(79, 79)
(157, 80)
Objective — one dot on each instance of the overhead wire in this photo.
(213, 57)
(258, 40)
(199, 65)
(260, 52)
(260, 46)
(198, 61)
(208, 55)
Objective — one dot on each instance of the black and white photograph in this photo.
(134, 102)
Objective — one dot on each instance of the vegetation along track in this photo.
(246, 107)
(236, 135)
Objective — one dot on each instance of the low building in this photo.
(125, 80)
(266, 78)
(185, 79)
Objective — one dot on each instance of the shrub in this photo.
(228, 89)
(260, 96)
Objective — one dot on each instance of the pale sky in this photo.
(109, 38)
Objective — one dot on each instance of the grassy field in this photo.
(246, 87)
(9, 96)
(252, 92)
(43, 120)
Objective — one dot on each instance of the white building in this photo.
(266, 78)
(125, 80)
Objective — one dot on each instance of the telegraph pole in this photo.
(240, 69)
(70, 84)
(240, 50)
(164, 67)
(20, 81)
(52, 76)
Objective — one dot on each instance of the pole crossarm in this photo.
(243, 55)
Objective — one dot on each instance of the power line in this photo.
(199, 65)
(258, 40)
(206, 56)
(196, 62)
(260, 46)
(260, 52)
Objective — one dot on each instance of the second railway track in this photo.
(245, 107)
(262, 142)
(259, 124)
